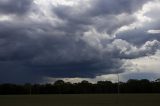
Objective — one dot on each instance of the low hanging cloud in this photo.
(64, 40)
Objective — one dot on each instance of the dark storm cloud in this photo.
(50, 55)
(17, 72)
(72, 48)
(103, 14)
(102, 7)
(14, 6)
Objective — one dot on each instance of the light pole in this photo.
(118, 87)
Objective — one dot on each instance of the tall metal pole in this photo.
(118, 88)
(118, 84)
(30, 90)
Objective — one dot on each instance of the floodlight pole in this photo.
(30, 90)
(118, 87)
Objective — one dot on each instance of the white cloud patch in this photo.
(148, 63)
(5, 18)
(109, 77)
(153, 31)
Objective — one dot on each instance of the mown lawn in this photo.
(81, 100)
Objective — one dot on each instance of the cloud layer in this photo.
(61, 39)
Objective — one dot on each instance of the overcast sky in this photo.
(45, 40)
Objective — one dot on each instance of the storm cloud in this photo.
(83, 38)
(14, 6)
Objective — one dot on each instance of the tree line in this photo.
(84, 87)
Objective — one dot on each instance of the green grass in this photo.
(81, 100)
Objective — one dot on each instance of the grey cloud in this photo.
(125, 50)
(111, 23)
(102, 7)
(105, 15)
(14, 6)
(140, 35)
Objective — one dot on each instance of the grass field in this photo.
(81, 100)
